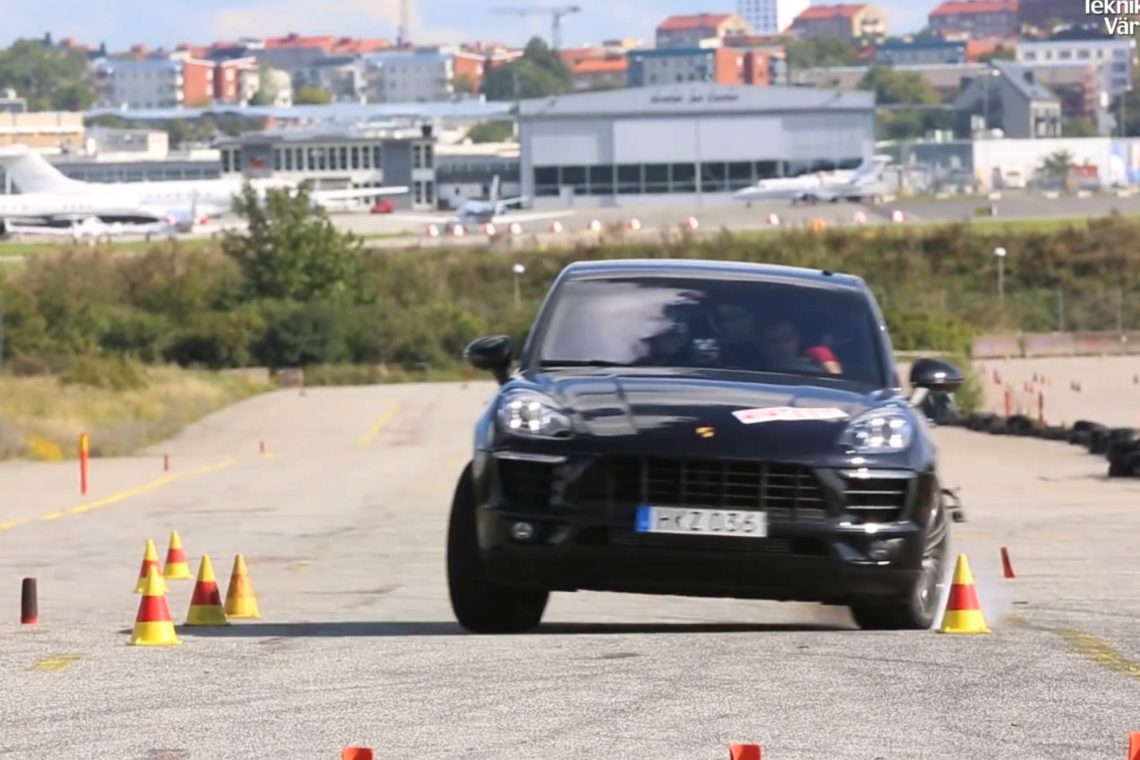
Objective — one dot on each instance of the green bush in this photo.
(117, 373)
(293, 291)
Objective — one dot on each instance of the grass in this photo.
(42, 417)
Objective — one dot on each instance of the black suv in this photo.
(701, 428)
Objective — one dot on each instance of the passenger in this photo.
(782, 349)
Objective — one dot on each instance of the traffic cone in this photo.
(153, 625)
(356, 753)
(963, 614)
(744, 752)
(1134, 745)
(176, 567)
(206, 603)
(150, 559)
(241, 602)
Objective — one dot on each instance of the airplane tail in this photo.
(32, 173)
(494, 199)
(871, 169)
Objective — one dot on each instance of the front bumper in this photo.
(834, 535)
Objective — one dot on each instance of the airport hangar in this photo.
(681, 142)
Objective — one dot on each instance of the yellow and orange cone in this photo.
(963, 613)
(177, 568)
(150, 559)
(206, 602)
(241, 602)
(153, 624)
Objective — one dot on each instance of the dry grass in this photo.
(42, 417)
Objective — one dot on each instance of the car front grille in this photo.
(877, 499)
(781, 490)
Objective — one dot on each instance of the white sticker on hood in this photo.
(788, 413)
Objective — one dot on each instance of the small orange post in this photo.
(1008, 403)
(1134, 746)
(83, 457)
(1041, 407)
(356, 753)
(166, 463)
(744, 752)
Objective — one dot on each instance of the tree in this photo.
(998, 54)
(820, 52)
(1054, 168)
(293, 252)
(266, 87)
(903, 88)
(491, 131)
(464, 83)
(312, 95)
(50, 78)
(538, 73)
(1079, 126)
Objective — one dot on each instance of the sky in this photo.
(121, 23)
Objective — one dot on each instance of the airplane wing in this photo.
(321, 196)
(508, 218)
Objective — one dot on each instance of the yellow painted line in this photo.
(115, 498)
(383, 420)
(55, 663)
(298, 567)
(1101, 652)
(1090, 647)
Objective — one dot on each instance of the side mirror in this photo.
(935, 376)
(491, 353)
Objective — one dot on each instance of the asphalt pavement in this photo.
(338, 499)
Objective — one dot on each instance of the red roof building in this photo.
(976, 18)
(846, 21)
(689, 31)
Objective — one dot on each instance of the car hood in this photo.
(697, 416)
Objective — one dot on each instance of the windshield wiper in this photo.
(580, 363)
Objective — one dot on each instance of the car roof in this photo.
(716, 268)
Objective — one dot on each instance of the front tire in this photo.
(919, 609)
(481, 606)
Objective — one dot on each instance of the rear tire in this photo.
(919, 609)
(481, 606)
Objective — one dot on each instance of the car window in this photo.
(715, 323)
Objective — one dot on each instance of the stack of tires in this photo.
(1119, 446)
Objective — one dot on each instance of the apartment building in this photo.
(1038, 13)
(722, 65)
(153, 82)
(422, 75)
(975, 18)
(1115, 53)
(851, 22)
(770, 16)
(698, 30)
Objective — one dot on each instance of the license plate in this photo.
(704, 522)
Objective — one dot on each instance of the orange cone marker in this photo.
(1134, 745)
(963, 614)
(153, 625)
(241, 602)
(356, 753)
(177, 568)
(744, 752)
(206, 603)
(150, 559)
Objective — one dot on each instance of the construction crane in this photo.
(556, 14)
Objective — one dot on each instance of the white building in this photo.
(684, 141)
(1115, 52)
(147, 83)
(770, 16)
(412, 76)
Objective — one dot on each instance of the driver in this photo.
(781, 347)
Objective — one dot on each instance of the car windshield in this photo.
(749, 325)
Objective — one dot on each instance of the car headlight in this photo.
(879, 431)
(529, 413)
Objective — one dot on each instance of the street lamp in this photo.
(1000, 253)
(518, 269)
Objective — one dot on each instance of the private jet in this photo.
(47, 193)
(863, 182)
(493, 210)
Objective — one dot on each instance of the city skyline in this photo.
(206, 21)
